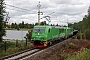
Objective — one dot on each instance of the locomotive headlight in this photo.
(38, 34)
(42, 38)
(45, 43)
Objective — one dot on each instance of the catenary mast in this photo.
(39, 13)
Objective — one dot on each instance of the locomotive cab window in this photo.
(39, 30)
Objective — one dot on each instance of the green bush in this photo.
(71, 44)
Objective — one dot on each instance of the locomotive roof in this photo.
(44, 26)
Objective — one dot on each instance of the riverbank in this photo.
(25, 29)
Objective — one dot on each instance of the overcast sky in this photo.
(64, 10)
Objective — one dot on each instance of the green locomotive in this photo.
(42, 36)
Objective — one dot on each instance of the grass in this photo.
(78, 50)
(85, 55)
(9, 51)
(9, 28)
(16, 29)
(11, 47)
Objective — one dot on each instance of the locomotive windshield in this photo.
(39, 30)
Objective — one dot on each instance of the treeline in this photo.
(22, 25)
(25, 25)
(83, 26)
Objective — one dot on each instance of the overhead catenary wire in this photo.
(16, 10)
(18, 7)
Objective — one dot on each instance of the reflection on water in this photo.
(15, 34)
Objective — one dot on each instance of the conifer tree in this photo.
(2, 10)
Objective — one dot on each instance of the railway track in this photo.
(42, 53)
(23, 54)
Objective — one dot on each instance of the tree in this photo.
(2, 10)
(16, 26)
(22, 24)
(12, 25)
(29, 35)
(89, 11)
(36, 23)
(57, 25)
(83, 26)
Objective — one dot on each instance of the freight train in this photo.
(43, 36)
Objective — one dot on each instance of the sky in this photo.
(60, 11)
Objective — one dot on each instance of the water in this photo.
(15, 34)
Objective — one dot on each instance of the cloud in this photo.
(73, 10)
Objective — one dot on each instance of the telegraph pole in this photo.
(39, 13)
